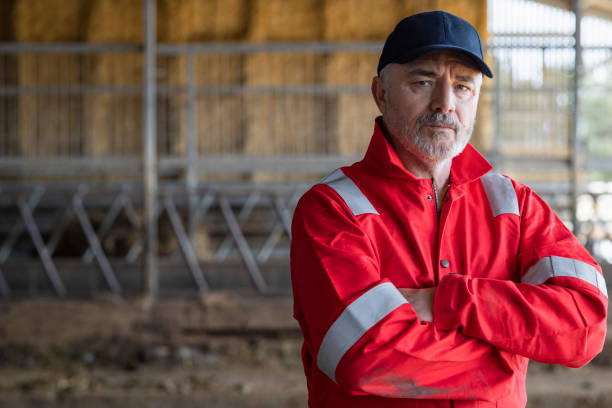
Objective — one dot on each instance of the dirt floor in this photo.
(222, 350)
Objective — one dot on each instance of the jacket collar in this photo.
(467, 166)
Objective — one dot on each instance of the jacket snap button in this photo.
(444, 263)
(428, 197)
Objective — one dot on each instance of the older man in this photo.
(422, 278)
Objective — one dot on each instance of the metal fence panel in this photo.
(238, 129)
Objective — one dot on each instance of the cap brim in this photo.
(419, 52)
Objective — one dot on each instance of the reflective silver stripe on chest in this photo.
(350, 193)
(358, 317)
(501, 194)
(552, 266)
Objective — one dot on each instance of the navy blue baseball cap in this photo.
(424, 33)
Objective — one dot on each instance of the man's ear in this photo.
(379, 94)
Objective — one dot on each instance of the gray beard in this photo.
(432, 149)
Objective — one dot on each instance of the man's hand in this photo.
(421, 301)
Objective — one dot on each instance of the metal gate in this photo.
(166, 167)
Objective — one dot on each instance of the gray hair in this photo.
(384, 76)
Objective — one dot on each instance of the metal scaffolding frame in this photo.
(250, 221)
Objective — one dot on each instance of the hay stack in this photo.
(358, 20)
(407, 8)
(350, 20)
(8, 107)
(49, 20)
(6, 22)
(482, 137)
(282, 20)
(8, 76)
(48, 124)
(474, 11)
(282, 119)
(218, 112)
(114, 121)
(115, 21)
(202, 20)
(352, 128)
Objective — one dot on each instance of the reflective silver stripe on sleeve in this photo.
(500, 193)
(552, 266)
(350, 193)
(354, 322)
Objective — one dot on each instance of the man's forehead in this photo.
(444, 58)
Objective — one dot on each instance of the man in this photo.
(422, 278)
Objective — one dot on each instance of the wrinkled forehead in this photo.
(457, 60)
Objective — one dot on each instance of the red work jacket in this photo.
(512, 284)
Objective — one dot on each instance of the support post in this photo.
(497, 128)
(576, 145)
(150, 151)
(192, 150)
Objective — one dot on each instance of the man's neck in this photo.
(438, 171)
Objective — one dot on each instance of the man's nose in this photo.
(443, 98)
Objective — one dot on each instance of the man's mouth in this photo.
(440, 125)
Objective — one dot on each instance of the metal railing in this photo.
(191, 174)
(98, 230)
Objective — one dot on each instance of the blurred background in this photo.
(152, 153)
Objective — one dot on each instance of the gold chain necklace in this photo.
(435, 189)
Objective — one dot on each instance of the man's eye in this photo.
(463, 88)
(423, 83)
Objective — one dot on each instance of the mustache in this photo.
(439, 119)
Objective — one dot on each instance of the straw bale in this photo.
(284, 124)
(218, 110)
(6, 21)
(8, 106)
(281, 20)
(474, 11)
(203, 20)
(282, 68)
(49, 20)
(279, 122)
(219, 125)
(209, 69)
(407, 8)
(114, 120)
(114, 126)
(354, 124)
(115, 21)
(353, 20)
(482, 137)
(350, 68)
(351, 127)
(48, 123)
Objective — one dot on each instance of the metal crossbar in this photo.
(94, 243)
(243, 246)
(185, 244)
(199, 104)
(258, 241)
(43, 252)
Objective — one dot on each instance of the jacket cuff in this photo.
(450, 307)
